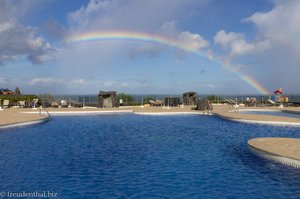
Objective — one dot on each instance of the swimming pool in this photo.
(270, 112)
(134, 156)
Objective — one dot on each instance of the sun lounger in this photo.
(152, 102)
(155, 103)
(5, 103)
(21, 104)
(271, 102)
(230, 101)
(64, 103)
(54, 105)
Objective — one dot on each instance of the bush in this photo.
(14, 99)
(214, 99)
(126, 98)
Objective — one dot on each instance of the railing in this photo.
(40, 111)
(43, 107)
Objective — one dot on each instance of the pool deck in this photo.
(14, 117)
(227, 112)
(283, 150)
(11, 117)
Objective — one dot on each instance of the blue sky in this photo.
(255, 38)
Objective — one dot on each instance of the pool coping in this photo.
(71, 113)
(275, 123)
(263, 122)
(254, 110)
(273, 156)
(171, 113)
(65, 113)
(22, 124)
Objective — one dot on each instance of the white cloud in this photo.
(115, 14)
(18, 41)
(78, 82)
(275, 46)
(236, 44)
(83, 16)
(281, 24)
(57, 85)
(226, 39)
(280, 27)
(194, 41)
(45, 82)
(49, 81)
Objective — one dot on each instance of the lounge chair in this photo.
(21, 104)
(230, 101)
(271, 102)
(54, 105)
(5, 103)
(155, 103)
(64, 103)
(152, 102)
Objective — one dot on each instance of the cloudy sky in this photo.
(226, 41)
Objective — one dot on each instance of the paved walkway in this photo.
(14, 116)
(223, 111)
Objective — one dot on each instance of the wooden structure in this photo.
(204, 105)
(189, 98)
(108, 99)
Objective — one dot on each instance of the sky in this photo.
(217, 47)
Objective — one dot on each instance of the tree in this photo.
(17, 91)
(126, 98)
(47, 97)
(214, 99)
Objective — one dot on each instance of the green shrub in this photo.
(14, 99)
(125, 97)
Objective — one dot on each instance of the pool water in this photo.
(274, 113)
(134, 156)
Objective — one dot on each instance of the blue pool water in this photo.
(132, 156)
(274, 113)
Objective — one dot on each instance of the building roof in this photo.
(5, 90)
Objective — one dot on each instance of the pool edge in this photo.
(274, 157)
(274, 123)
(23, 124)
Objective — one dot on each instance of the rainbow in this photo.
(164, 41)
